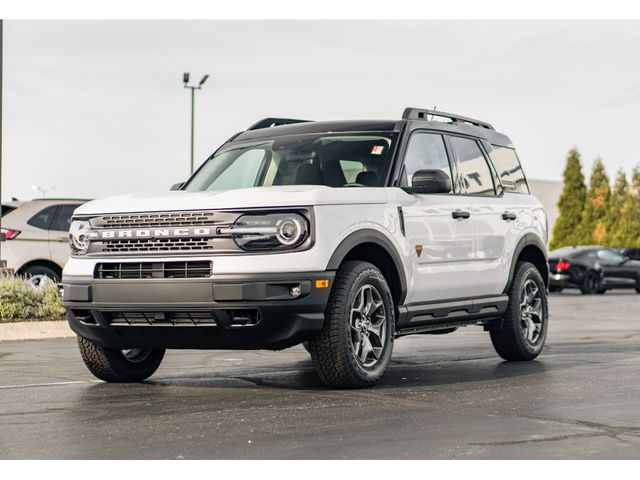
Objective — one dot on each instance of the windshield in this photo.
(333, 160)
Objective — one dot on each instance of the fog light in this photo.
(295, 291)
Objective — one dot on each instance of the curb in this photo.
(35, 330)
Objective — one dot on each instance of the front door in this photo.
(438, 229)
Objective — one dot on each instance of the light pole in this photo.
(185, 80)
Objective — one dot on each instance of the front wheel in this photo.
(119, 366)
(354, 346)
(524, 325)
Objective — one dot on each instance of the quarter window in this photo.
(43, 218)
(426, 151)
(473, 170)
(509, 170)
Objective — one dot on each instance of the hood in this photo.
(285, 196)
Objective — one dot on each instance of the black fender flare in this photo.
(369, 235)
(528, 239)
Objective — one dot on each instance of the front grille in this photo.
(139, 270)
(156, 245)
(161, 318)
(156, 233)
(156, 219)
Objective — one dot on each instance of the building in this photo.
(548, 192)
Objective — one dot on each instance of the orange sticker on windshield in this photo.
(377, 150)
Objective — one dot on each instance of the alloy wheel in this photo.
(136, 355)
(368, 325)
(531, 314)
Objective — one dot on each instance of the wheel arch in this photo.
(40, 262)
(374, 247)
(531, 249)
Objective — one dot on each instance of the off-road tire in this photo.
(110, 364)
(590, 283)
(509, 341)
(331, 350)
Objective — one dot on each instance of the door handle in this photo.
(460, 214)
(506, 216)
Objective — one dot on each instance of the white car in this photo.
(342, 235)
(35, 236)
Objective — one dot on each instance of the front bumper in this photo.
(247, 311)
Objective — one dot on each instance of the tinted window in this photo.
(62, 219)
(43, 218)
(426, 151)
(6, 209)
(509, 170)
(473, 170)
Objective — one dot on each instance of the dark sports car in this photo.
(592, 269)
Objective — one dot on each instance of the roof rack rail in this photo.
(274, 122)
(422, 113)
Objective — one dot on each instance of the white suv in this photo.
(34, 238)
(342, 235)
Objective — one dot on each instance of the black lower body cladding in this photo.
(272, 311)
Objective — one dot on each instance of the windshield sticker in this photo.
(377, 150)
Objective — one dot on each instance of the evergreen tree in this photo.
(592, 226)
(628, 230)
(570, 204)
(614, 209)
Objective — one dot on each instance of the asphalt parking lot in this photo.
(443, 397)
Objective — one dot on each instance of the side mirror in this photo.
(430, 181)
(176, 186)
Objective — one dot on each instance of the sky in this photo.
(97, 108)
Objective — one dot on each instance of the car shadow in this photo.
(300, 376)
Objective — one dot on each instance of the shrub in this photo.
(19, 301)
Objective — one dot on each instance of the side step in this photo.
(429, 317)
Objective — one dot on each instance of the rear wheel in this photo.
(354, 346)
(524, 325)
(590, 283)
(119, 366)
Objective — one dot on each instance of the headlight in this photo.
(79, 236)
(272, 231)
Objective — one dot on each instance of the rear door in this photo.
(480, 188)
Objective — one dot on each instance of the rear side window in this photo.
(509, 170)
(426, 151)
(43, 218)
(475, 177)
(62, 218)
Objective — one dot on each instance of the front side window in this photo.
(509, 169)
(426, 151)
(334, 160)
(474, 175)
